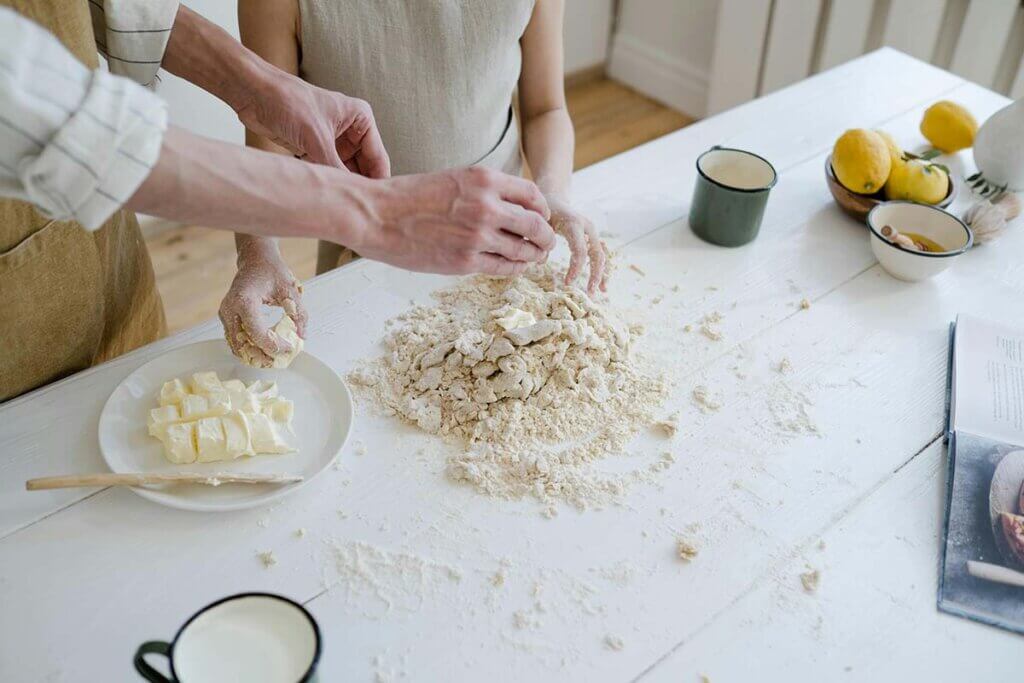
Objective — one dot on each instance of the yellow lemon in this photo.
(948, 126)
(895, 152)
(917, 181)
(861, 161)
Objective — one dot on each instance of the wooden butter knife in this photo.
(68, 481)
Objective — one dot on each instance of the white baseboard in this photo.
(657, 74)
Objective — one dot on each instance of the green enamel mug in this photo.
(730, 195)
(251, 637)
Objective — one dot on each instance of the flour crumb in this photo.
(821, 544)
(709, 326)
(675, 288)
(498, 579)
(810, 580)
(531, 408)
(359, 448)
(687, 328)
(805, 304)
(263, 522)
(637, 269)
(784, 367)
(686, 550)
(669, 426)
(613, 642)
(704, 679)
(300, 532)
(267, 558)
(704, 400)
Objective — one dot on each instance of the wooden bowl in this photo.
(858, 205)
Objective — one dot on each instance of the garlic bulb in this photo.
(988, 219)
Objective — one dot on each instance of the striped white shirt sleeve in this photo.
(133, 34)
(75, 143)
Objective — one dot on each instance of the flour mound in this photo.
(534, 381)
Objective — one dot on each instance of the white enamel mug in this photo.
(250, 637)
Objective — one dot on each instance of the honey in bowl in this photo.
(924, 243)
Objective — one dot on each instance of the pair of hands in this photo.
(456, 222)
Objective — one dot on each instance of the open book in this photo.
(983, 549)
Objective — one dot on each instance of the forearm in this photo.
(206, 55)
(201, 181)
(549, 142)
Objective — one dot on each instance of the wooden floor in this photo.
(194, 266)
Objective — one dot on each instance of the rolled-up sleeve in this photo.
(76, 143)
(133, 34)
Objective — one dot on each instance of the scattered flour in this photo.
(704, 400)
(790, 410)
(709, 326)
(532, 405)
(669, 426)
(810, 580)
(613, 642)
(267, 558)
(805, 304)
(394, 580)
(784, 367)
(637, 269)
(686, 550)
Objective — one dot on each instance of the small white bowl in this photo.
(923, 219)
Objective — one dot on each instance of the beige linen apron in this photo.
(69, 298)
(439, 75)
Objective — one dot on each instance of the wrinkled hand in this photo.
(262, 278)
(318, 125)
(583, 241)
(470, 220)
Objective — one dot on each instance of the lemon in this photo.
(917, 181)
(948, 126)
(861, 161)
(895, 152)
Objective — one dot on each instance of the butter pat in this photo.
(237, 441)
(286, 330)
(210, 440)
(196, 406)
(265, 437)
(279, 410)
(173, 392)
(179, 441)
(158, 417)
(516, 318)
(206, 383)
(263, 390)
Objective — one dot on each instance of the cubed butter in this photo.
(263, 390)
(205, 382)
(161, 416)
(233, 385)
(286, 330)
(236, 435)
(265, 438)
(210, 440)
(173, 392)
(279, 410)
(179, 439)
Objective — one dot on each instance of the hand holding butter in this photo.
(210, 420)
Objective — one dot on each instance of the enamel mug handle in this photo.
(152, 647)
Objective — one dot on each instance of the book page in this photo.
(988, 380)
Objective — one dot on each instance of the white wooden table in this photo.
(85, 576)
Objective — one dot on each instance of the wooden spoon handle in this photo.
(113, 479)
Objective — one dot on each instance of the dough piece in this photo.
(159, 417)
(521, 336)
(179, 441)
(210, 440)
(206, 383)
(173, 392)
(285, 329)
(265, 438)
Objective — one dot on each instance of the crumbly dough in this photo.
(532, 404)
(286, 330)
(207, 420)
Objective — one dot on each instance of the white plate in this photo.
(323, 420)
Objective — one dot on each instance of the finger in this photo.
(323, 151)
(573, 233)
(522, 192)
(607, 267)
(493, 264)
(514, 248)
(529, 225)
(294, 309)
(362, 145)
(597, 260)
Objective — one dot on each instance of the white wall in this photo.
(663, 48)
(587, 25)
